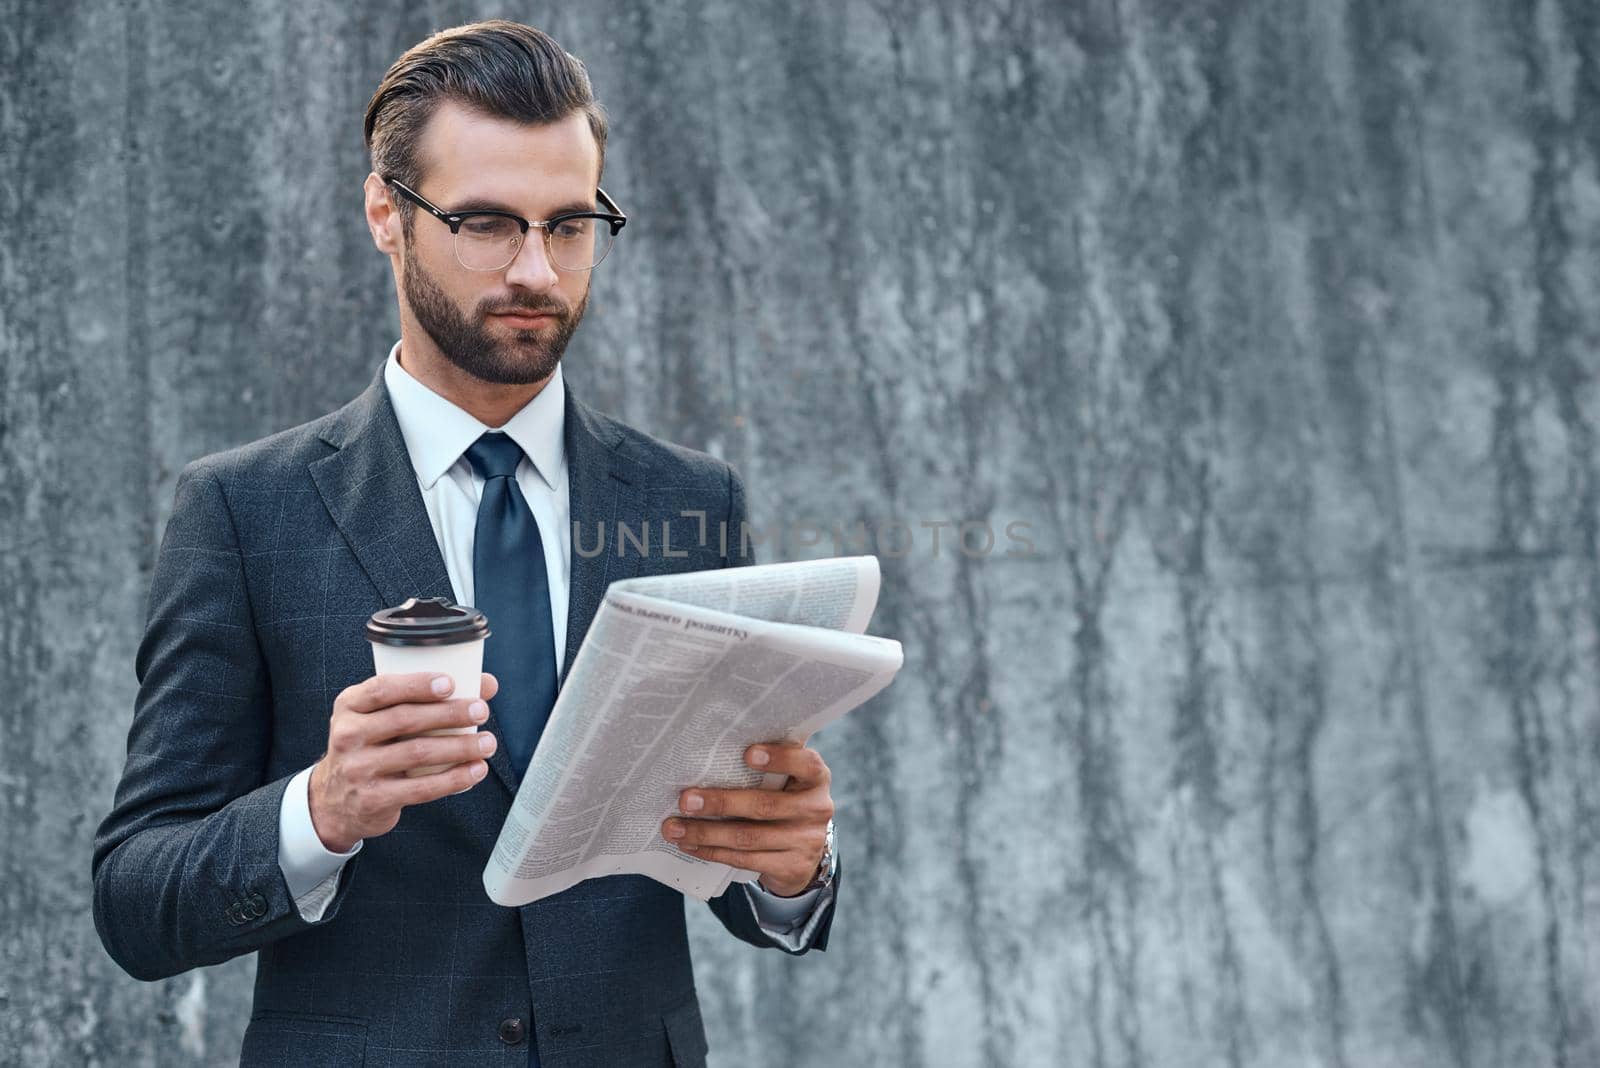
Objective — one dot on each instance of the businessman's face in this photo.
(471, 161)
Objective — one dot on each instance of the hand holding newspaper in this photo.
(678, 675)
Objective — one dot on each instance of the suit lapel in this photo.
(604, 486)
(370, 489)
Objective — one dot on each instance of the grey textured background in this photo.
(1275, 320)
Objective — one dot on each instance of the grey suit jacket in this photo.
(275, 555)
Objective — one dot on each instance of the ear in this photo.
(383, 217)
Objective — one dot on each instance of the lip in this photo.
(523, 318)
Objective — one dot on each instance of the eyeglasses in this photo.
(490, 240)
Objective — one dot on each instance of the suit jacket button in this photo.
(511, 1030)
(259, 904)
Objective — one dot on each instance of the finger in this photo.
(425, 788)
(398, 757)
(775, 869)
(768, 805)
(804, 765)
(351, 732)
(400, 721)
(489, 686)
(382, 691)
(737, 834)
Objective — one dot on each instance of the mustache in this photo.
(529, 309)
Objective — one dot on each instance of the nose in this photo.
(532, 269)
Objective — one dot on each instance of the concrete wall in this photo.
(1276, 322)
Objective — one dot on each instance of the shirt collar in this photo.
(437, 433)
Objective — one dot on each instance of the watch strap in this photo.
(825, 867)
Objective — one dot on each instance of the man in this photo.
(265, 805)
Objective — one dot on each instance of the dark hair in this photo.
(504, 69)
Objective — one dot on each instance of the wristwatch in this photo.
(825, 866)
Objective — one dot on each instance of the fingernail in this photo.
(759, 757)
(441, 684)
(674, 830)
(486, 744)
(479, 710)
(478, 769)
(694, 803)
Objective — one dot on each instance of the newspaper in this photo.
(677, 677)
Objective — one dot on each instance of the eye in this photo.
(572, 229)
(491, 226)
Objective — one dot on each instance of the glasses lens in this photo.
(578, 244)
(487, 242)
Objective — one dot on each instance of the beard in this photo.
(528, 356)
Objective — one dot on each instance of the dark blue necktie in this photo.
(513, 591)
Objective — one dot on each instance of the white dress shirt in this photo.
(437, 435)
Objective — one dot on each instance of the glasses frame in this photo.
(453, 219)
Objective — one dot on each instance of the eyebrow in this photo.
(485, 204)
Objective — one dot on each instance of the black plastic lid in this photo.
(427, 621)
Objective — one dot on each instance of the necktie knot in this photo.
(494, 455)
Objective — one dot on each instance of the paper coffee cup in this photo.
(431, 634)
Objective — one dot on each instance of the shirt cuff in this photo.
(309, 868)
(790, 922)
(775, 913)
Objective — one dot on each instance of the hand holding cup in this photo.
(376, 737)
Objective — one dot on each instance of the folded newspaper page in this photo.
(677, 677)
